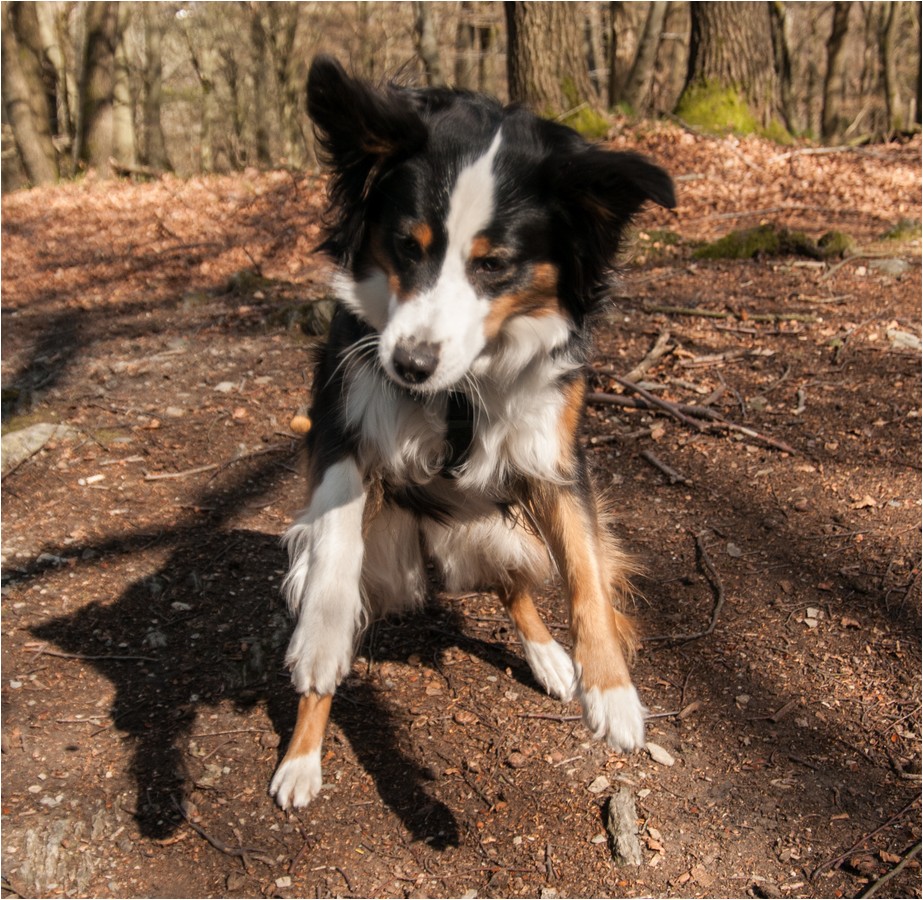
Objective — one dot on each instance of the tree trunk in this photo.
(918, 112)
(891, 82)
(638, 84)
(64, 87)
(260, 66)
(832, 120)
(596, 57)
(612, 88)
(98, 86)
(293, 76)
(25, 99)
(465, 48)
(780, 45)
(123, 119)
(155, 144)
(546, 63)
(427, 43)
(731, 76)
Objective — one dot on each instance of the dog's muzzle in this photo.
(415, 362)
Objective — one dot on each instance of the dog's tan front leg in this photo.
(298, 779)
(550, 664)
(603, 637)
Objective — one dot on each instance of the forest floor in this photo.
(144, 633)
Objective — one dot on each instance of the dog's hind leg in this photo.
(550, 663)
(323, 589)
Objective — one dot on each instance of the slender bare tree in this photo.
(641, 74)
(833, 123)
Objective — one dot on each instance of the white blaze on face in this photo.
(450, 314)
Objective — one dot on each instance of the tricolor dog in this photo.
(473, 246)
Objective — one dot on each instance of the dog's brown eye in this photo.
(408, 249)
(491, 265)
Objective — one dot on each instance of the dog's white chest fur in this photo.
(515, 428)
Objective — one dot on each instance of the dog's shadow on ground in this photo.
(210, 627)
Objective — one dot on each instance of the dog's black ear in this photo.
(358, 126)
(598, 192)
(610, 187)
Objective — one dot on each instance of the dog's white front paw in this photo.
(297, 781)
(552, 667)
(615, 715)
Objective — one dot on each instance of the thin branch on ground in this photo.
(670, 408)
(660, 349)
(672, 475)
(837, 861)
(44, 650)
(685, 413)
(242, 852)
(549, 717)
(872, 889)
(711, 573)
(186, 473)
(772, 318)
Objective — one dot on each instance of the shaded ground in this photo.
(144, 633)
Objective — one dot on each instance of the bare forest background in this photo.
(143, 88)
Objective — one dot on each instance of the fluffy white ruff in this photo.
(297, 780)
(615, 715)
(552, 667)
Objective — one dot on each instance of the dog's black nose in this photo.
(415, 362)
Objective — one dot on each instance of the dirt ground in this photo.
(143, 630)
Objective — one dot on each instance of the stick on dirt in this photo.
(660, 349)
(838, 860)
(872, 889)
(673, 476)
(711, 573)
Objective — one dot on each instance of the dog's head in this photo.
(461, 226)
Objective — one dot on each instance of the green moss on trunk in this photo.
(722, 110)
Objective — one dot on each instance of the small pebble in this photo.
(659, 755)
(599, 785)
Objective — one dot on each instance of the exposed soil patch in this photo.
(144, 632)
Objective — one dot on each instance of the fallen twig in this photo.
(549, 717)
(673, 476)
(186, 473)
(660, 349)
(670, 408)
(217, 843)
(839, 860)
(685, 413)
(779, 714)
(775, 443)
(714, 579)
(43, 650)
(872, 889)
(772, 318)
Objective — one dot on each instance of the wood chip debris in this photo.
(622, 826)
